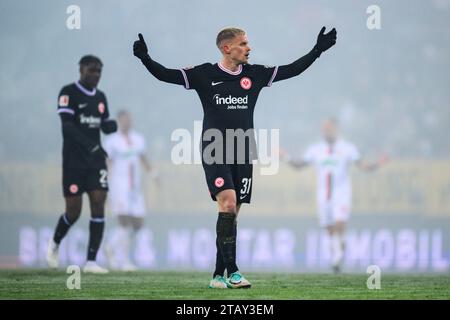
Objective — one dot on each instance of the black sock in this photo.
(227, 240)
(96, 227)
(220, 264)
(235, 237)
(62, 227)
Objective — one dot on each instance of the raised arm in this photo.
(324, 42)
(296, 163)
(372, 166)
(157, 70)
(145, 163)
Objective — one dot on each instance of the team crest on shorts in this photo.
(73, 188)
(101, 107)
(246, 83)
(219, 182)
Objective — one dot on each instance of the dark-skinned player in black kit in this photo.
(84, 112)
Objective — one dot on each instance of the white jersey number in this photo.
(247, 182)
(103, 177)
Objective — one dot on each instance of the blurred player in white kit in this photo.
(126, 151)
(332, 158)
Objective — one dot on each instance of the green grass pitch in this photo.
(45, 284)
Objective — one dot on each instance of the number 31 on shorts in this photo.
(247, 184)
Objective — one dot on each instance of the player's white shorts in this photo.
(127, 202)
(331, 212)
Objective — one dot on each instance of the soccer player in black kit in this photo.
(83, 111)
(228, 91)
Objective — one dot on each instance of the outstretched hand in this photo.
(140, 49)
(383, 159)
(325, 40)
(283, 154)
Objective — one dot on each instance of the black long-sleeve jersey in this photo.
(229, 98)
(82, 114)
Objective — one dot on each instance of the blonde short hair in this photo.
(227, 34)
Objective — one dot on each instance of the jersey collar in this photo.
(234, 73)
(84, 90)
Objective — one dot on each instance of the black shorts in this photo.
(230, 176)
(76, 181)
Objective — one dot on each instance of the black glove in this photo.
(109, 126)
(140, 48)
(325, 40)
(99, 151)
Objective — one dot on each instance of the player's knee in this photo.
(97, 196)
(97, 209)
(229, 205)
(330, 230)
(340, 226)
(73, 211)
(137, 224)
(123, 220)
(72, 216)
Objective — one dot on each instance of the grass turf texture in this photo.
(45, 284)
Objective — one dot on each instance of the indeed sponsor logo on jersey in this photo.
(232, 102)
(93, 122)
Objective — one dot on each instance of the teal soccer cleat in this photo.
(237, 281)
(218, 282)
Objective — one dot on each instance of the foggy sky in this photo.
(388, 87)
